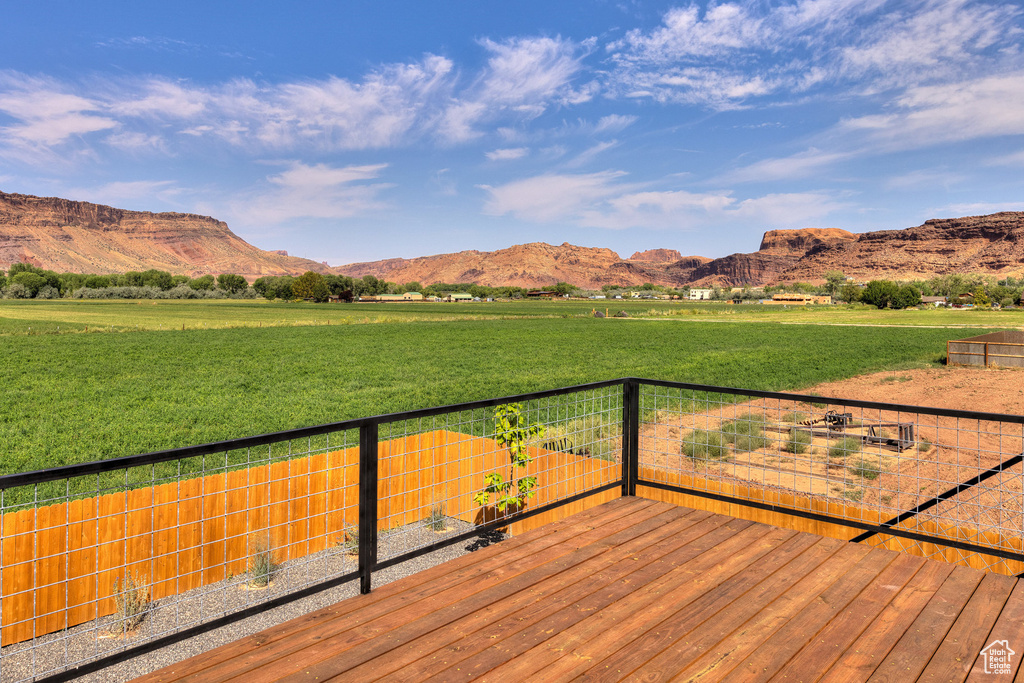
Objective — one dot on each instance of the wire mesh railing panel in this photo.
(945, 484)
(92, 565)
(443, 476)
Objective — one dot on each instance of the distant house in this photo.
(799, 299)
(934, 300)
(412, 296)
(459, 296)
(542, 293)
(700, 294)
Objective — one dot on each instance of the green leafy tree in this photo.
(513, 431)
(32, 282)
(202, 283)
(906, 296)
(160, 279)
(230, 282)
(23, 268)
(130, 279)
(97, 281)
(310, 285)
(879, 293)
(834, 281)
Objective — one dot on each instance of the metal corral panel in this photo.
(1003, 349)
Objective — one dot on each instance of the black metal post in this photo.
(367, 504)
(630, 436)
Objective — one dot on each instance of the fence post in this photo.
(367, 504)
(630, 435)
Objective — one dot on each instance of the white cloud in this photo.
(1013, 159)
(524, 77)
(613, 123)
(603, 200)
(923, 116)
(551, 197)
(313, 191)
(926, 179)
(979, 208)
(143, 193)
(801, 165)
(136, 142)
(508, 154)
(588, 155)
(44, 115)
(728, 54)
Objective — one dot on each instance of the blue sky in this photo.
(352, 131)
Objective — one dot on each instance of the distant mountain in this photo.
(991, 244)
(65, 235)
(69, 236)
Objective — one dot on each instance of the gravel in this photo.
(55, 652)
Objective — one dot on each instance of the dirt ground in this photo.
(953, 388)
(878, 477)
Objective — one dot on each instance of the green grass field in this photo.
(79, 316)
(246, 368)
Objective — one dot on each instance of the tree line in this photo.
(26, 281)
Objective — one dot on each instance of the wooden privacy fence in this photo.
(1004, 349)
(58, 563)
(821, 506)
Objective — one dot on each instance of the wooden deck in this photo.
(641, 590)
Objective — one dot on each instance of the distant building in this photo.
(459, 296)
(700, 294)
(934, 300)
(799, 299)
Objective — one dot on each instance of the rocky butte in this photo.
(65, 235)
(69, 236)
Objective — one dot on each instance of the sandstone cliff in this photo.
(992, 244)
(64, 235)
(796, 243)
(524, 265)
(657, 256)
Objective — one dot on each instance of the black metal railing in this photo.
(342, 502)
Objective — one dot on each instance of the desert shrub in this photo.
(349, 540)
(436, 520)
(799, 441)
(131, 600)
(701, 444)
(745, 433)
(16, 290)
(844, 447)
(795, 416)
(865, 469)
(262, 566)
(47, 292)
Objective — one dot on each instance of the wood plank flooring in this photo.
(640, 590)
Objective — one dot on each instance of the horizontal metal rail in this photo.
(632, 409)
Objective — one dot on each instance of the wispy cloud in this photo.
(800, 165)
(524, 77)
(507, 154)
(733, 53)
(133, 193)
(313, 191)
(928, 178)
(606, 200)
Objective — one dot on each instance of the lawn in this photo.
(79, 397)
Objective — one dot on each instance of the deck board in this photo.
(641, 590)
